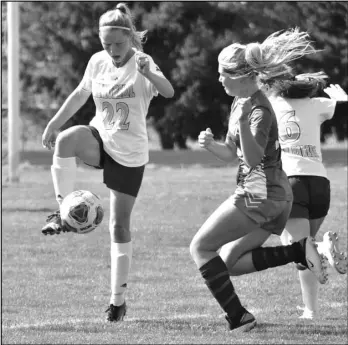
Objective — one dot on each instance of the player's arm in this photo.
(336, 93)
(72, 104)
(226, 151)
(254, 133)
(150, 70)
(162, 84)
(327, 108)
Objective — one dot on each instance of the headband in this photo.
(114, 27)
(236, 73)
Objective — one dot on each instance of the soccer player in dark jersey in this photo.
(262, 201)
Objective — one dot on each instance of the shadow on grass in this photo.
(23, 209)
(300, 329)
(331, 156)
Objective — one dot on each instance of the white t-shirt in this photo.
(122, 97)
(299, 122)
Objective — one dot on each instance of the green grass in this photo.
(55, 289)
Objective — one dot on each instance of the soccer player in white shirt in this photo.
(122, 80)
(299, 117)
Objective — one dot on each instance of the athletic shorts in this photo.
(311, 196)
(270, 215)
(118, 177)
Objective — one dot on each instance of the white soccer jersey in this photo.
(122, 97)
(299, 123)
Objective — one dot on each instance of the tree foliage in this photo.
(184, 38)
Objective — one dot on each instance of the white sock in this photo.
(309, 287)
(121, 258)
(63, 172)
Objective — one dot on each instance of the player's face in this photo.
(238, 86)
(232, 86)
(116, 43)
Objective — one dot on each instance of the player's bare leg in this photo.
(76, 141)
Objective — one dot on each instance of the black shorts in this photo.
(311, 196)
(118, 177)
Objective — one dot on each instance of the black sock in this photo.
(217, 278)
(267, 257)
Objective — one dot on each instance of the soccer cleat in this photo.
(306, 313)
(54, 225)
(247, 321)
(314, 261)
(330, 249)
(116, 313)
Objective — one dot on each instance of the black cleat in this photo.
(116, 313)
(54, 225)
(247, 321)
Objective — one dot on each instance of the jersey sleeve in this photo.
(260, 122)
(151, 90)
(86, 82)
(325, 107)
(229, 140)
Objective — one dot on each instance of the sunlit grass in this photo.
(55, 289)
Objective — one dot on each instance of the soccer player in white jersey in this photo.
(122, 80)
(300, 116)
(261, 202)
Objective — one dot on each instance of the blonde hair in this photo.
(121, 18)
(269, 59)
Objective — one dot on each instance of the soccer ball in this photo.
(81, 211)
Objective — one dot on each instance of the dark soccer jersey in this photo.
(267, 180)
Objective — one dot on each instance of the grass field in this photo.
(55, 289)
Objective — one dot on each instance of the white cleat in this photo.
(306, 313)
(330, 249)
(315, 262)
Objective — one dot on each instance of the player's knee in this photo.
(196, 246)
(119, 233)
(193, 249)
(67, 139)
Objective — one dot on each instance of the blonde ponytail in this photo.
(269, 59)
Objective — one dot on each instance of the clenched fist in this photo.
(205, 138)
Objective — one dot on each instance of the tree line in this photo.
(184, 38)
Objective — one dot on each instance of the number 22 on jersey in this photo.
(289, 129)
(115, 118)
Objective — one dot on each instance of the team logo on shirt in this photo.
(116, 91)
(302, 150)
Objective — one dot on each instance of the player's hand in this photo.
(143, 63)
(205, 138)
(49, 137)
(336, 93)
(245, 107)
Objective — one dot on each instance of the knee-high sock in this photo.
(267, 257)
(309, 287)
(121, 259)
(217, 279)
(63, 172)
